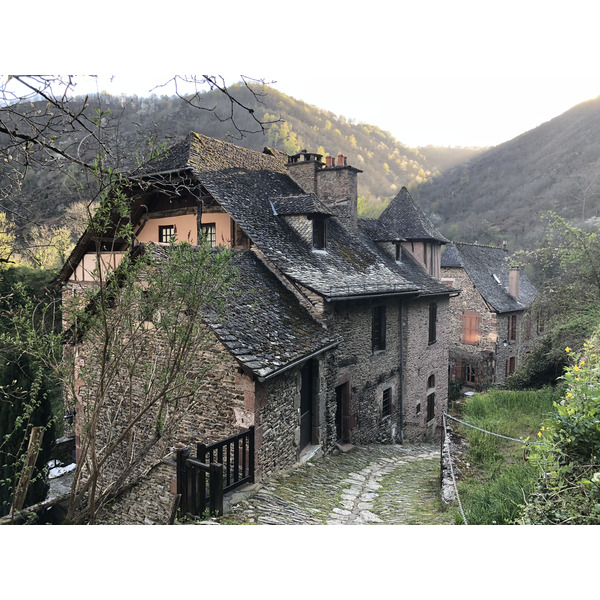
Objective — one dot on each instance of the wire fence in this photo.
(446, 447)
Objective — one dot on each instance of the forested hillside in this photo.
(387, 164)
(502, 193)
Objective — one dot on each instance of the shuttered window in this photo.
(471, 323)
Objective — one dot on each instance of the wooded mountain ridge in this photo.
(502, 193)
(471, 194)
(386, 163)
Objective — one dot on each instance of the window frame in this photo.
(209, 232)
(386, 403)
(319, 234)
(430, 407)
(166, 233)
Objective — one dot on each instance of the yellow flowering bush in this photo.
(568, 450)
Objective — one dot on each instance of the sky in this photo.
(449, 73)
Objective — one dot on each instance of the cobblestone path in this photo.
(379, 484)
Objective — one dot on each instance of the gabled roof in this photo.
(408, 267)
(488, 269)
(263, 325)
(244, 182)
(404, 217)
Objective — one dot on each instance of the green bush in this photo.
(568, 459)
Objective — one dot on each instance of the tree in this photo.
(566, 269)
(28, 394)
(7, 238)
(143, 320)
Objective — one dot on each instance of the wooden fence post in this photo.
(251, 454)
(181, 453)
(216, 488)
(33, 449)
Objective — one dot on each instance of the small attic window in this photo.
(398, 252)
(319, 241)
(496, 278)
(166, 233)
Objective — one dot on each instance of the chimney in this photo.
(329, 161)
(336, 187)
(513, 282)
(303, 167)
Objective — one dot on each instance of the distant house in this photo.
(338, 330)
(492, 329)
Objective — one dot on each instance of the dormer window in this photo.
(398, 252)
(166, 233)
(319, 233)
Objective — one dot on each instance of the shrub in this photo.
(568, 489)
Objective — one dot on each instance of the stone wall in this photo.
(488, 353)
(369, 372)
(421, 361)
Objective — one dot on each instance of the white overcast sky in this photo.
(444, 72)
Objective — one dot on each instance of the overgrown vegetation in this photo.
(567, 461)
(495, 478)
(29, 395)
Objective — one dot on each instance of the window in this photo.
(319, 234)
(418, 408)
(430, 407)
(398, 252)
(512, 328)
(378, 337)
(209, 231)
(470, 374)
(386, 405)
(432, 322)
(511, 365)
(471, 322)
(166, 233)
(430, 397)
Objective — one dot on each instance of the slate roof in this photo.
(378, 232)
(245, 182)
(406, 218)
(304, 204)
(408, 267)
(263, 325)
(488, 269)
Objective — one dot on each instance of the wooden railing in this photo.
(217, 469)
(236, 454)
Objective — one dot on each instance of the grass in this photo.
(498, 479)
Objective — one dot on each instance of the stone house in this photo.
(338, 329)
(491, 325)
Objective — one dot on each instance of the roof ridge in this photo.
(476, 245)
